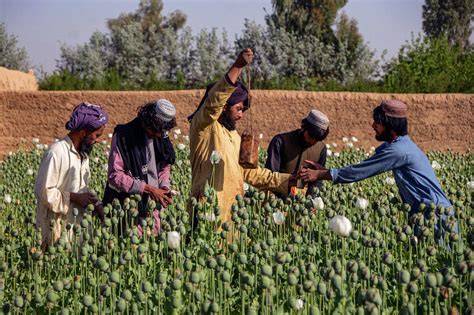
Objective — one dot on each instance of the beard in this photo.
(86, 147)
(385, 136)
(226, 120)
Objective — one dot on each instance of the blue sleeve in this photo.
(382, 161)
(273, 158)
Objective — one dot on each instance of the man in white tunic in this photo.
(64, 174)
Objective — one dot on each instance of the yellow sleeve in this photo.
(213, 105)
(263, 178)
(46, 188)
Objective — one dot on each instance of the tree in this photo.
(12, 56)
(431, 65)
(314, 17)
(450, 18)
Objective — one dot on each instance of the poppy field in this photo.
(343, 249)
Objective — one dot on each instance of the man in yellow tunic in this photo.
(213, 129)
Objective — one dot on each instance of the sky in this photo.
(41, 26)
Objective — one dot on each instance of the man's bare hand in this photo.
(83, 199)
(99, 212)
(245, 58)
(312, 165)
(161, 195)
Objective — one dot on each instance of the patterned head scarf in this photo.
(87, 116)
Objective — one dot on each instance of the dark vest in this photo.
(131, 142)
(293, 145)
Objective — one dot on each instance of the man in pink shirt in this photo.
(140, 159)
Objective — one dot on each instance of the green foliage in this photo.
(431, 66)
(12, 56)
(450, 18)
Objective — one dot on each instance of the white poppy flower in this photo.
(362, 203)
(35, 140)
(107, 153)
(345, 139)
(177, 131)
(29, 172)
(210, 216)
(186, 138)
(215, 157)
(340, 225)
(349, 145)
(278, 217)
(299, 304)
(10, 153)
(260, 136)
(337, 154)
(470, 185)
(354, 139)
(174, 239)
(435, 165)
(180, 146)
(45, 146)
(110, 135)
(104, 142)
(105, 167)
(334, 144)
(246, 186)
(179, 163)
(96, 160)
(329, 152)
(175, 136)
(372, 149)
(391, 195)
(390, 181)
(328, 146)
(318, 203)
(175, 193)
(7, 199)
(40, 146)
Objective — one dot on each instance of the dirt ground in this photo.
(436, 121)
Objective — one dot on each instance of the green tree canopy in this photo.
(12, 56)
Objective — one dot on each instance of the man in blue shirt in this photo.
(411, 168)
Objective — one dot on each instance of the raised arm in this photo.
(220, 93)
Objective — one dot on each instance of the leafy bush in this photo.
(431, 66)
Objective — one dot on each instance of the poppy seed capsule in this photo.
(431, 280)
(162, 277)
(121, 305)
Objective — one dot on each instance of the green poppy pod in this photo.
(336, 282)
(114, 277)
(147, 287)
(162, 277)
(121, 305)
(292, 279)
(19, 302)
(221, 260)
(412, 288)
(105, 290)
(52, 297)
(408, 309)
(58, 286)
(265, 282)
(87, 300)
(266, 270)
(225, 276)
(404, 277)
(322, 289)
(195, 277)
(430, 280)
(176, 284)
(197, 295)
(242, 259)
(188, 265)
